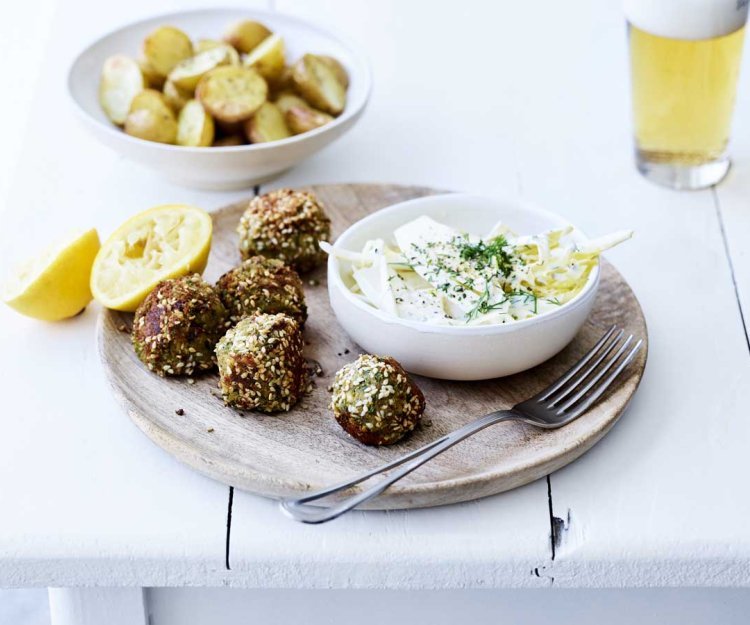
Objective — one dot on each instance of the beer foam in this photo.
(687, 19)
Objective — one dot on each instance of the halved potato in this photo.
(267, 124)
(159, 126)
(121, 80)
(153, 79)
(337, 68)
(318, 84)
(186, 74)
(301, 119)
(176, 97)
(194, 126)
(267, 58)
(244, 35)
(165, 47)
(286, 100)
(150, 99)
(232, 94)
(209, 44)
(229, 141)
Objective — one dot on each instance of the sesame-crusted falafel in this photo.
(262, 285)
(261, 366)
(376, 401)
(177, 326)
(287, 225)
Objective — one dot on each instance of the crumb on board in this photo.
(123, 328)
(179, 412)
(190, 381)
(209, 430)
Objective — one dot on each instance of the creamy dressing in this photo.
(439, 275)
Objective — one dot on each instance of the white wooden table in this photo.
(527, 99)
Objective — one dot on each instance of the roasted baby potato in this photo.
(153, 80)
(267, 124)
(318, 84)
(195, 127)
(165, 47)
(151, 125)
(244, 35)
(286, 100)
(232, 94)
(186, 74)
(208, 44)
(176, 97)
(228, 141)
(121, 80)
(303, 119)
(150, 99)
(337, 68)
(267, 58)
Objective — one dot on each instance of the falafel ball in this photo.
(261, 366)
(376, 401)
(262, 285)
(287, 225)
(177, 326)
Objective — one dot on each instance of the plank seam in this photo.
(229, 528)
(552, 531)
(725, 240)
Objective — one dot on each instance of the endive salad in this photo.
(437, 274)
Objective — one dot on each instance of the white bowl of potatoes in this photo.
(219, 98)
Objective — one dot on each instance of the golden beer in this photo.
(683, 90)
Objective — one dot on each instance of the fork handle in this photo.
(299, 509)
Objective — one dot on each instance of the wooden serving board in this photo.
(305, 449)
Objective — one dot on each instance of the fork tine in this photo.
(581, 377)
(598, 390)
(543, 395)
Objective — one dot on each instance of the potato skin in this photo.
(186, 74)
(152, 126)
(302, 119)
(244, 35)
(267, 124)
(318, 84)
(232, 94)
(165, 47)
(336, 67)
(150, 99)
(121, 81)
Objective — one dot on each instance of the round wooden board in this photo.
(305, 449)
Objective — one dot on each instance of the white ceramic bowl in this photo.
(224, 168)
(454, 352)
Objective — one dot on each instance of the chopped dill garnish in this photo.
(491, 252)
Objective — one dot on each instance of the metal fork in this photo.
(557, 405)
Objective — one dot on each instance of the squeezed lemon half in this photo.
(160, 243)
(55, 284)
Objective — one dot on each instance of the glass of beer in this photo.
(684, 62)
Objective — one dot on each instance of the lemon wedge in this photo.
(160, 243)
(55, 284)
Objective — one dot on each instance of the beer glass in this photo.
(684, 63)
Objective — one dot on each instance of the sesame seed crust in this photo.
(287, 225)
(262, 285)
(261, 366)
(177, 326)
(376, 401)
